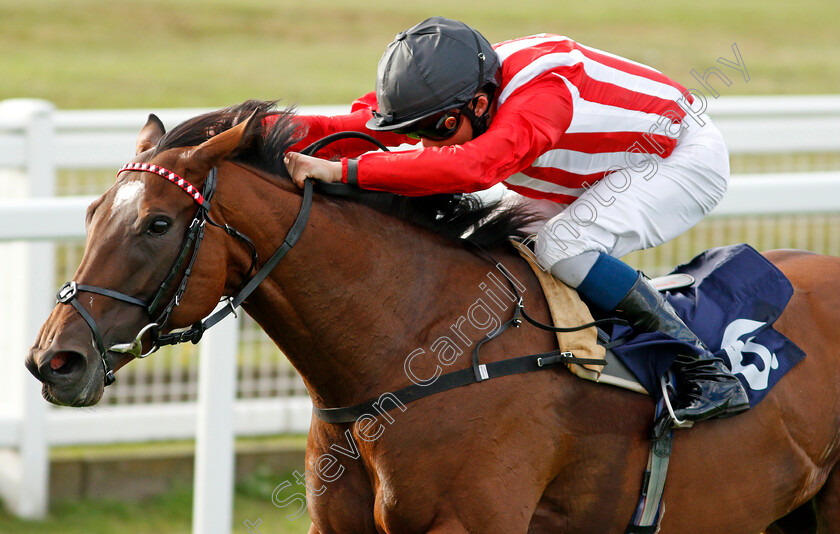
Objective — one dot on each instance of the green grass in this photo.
(169, 513)
(155, 53)
(158, 448)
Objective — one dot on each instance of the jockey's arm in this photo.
(528, 124)
(320, 126)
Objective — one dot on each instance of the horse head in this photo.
(143, 273)
(141, 248)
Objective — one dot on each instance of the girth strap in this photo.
(455, 379)
(477, 372)
(651, 508)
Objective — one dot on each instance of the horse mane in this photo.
(484, 224)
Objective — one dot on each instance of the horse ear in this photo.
(209, 153)
(150, 134)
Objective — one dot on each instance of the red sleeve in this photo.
(319, 126)
(529, 122)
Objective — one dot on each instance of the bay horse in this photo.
(357, 306)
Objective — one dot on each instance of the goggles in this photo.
(438, 128)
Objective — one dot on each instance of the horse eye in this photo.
(158, 227)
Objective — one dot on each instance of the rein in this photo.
(195, 234)
(69, 292)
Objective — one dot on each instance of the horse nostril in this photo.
(65, 362)
(58, 361)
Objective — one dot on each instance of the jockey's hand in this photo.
(301, 167)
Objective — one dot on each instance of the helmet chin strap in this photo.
(479, 124)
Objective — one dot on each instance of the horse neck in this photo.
(357, 294)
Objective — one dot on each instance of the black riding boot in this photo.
(707, 388)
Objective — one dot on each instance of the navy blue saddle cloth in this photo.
(736, 297)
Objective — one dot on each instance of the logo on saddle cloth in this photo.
(736, 298)
(756, 370)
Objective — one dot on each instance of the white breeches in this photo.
(640, 207)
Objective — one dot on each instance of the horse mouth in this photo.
(89, 396)
(69, 381)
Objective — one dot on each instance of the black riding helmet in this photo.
(434, 66)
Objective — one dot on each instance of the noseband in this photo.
(154, 307)
(69, 292)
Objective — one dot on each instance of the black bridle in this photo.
(186, 257)
(195, 234)
(189, 252)
(156, 307)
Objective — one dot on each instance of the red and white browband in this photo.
(189, 188)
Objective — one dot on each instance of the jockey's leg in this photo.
(649, 205)
(708, 389)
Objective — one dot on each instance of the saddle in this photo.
(729, 296)
(567, 309)
(734, 297)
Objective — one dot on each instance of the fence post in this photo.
(27, 272)
(214, 445)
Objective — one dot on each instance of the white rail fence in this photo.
(37, 143)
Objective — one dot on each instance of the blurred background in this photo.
(171, 57)
(192, 53)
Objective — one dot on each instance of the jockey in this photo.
(611, 153)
